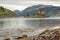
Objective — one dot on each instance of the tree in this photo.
(27, 14)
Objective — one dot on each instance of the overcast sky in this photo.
(22, 4)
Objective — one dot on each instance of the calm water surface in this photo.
(17, 27)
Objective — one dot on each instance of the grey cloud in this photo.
(23, 2)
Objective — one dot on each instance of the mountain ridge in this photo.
(35, 9)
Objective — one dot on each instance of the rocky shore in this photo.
(46, 35)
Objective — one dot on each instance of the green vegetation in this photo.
(37, 15)
(41, 14)
(6, 13)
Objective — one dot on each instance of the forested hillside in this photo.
(6, 13)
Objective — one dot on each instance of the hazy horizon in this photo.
(22, 4)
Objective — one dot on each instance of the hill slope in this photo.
(32, 9)
(6, 13)
(51, 10)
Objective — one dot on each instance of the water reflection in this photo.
(29, 24)
(22, 24)
(29, 27)
(18, 27)
(50, 23)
